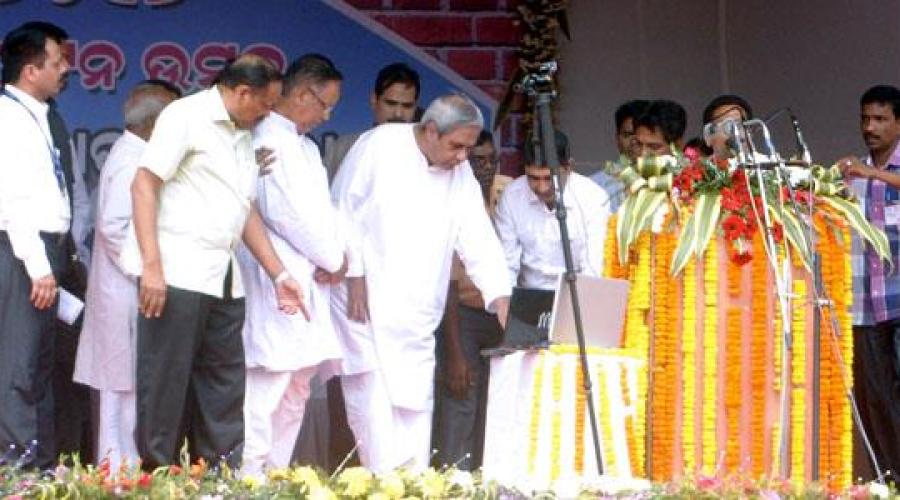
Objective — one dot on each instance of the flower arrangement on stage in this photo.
(707, 247)
(707, 195)
(218, 483)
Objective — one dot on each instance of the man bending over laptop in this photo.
(527, 226)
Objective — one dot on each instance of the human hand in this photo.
(460, 377)
(357, 299)
(290, 297)
(43, 292)
(851, 166)
(501, 305)
(152, 294)
(323, 277)
(264, 158)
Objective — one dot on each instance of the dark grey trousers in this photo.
(27, 338)
(876, 385)
(458, 428)
(190, 380)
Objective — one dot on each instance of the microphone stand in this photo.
(540, 86)
(821, 301)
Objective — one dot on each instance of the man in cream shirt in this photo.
(285, 352)
(193, 202)
(106, 348)
(410, 200)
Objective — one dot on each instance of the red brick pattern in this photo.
(476, 38)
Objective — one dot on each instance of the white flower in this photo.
(879, 490)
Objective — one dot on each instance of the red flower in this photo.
(741, 258)
(730, 200)
(802, 196)
(751, 228)
(778, 233)
(734, 226)
(145, 480)
(739, 178)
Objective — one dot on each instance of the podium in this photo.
(537, 432)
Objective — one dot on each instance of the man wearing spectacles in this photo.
(284, 353)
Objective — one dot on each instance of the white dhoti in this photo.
(387, 436)
(274, 405)
(115, 428)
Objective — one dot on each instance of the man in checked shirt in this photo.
(876, 284)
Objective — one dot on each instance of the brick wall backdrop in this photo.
(476, 38)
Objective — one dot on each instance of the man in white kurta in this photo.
(527, 225)
(410, 199)
(283, 353)
(106, 348)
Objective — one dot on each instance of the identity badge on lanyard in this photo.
(54, 153)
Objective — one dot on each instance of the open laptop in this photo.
(538, 318)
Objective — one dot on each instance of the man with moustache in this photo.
(35, 216)
(194, 200)
(401, 242)
(284, 353)
(876, 284)
(393, 100)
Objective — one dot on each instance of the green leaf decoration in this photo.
(697, 230)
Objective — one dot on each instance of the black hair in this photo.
(732, 100)
(883, 94)
(631, 109)
(27, 45)
(532, 154)
(396, 73)
(251, 70)
(484, 137)
(667, 116)
(314, 69)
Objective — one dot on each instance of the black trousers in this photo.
(190, 380)
(27, 338)
(876, 385)
(458, 425)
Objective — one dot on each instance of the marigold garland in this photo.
(580, 415)
(798, 383)
(734, 395)
(689, 368)
(759, 335)
(556, 420)
(710, 357)
(536, 401)
(665, 366)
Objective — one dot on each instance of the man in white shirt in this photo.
(527, 225)
(194, 200)
(106, 349)
(283, 353)
(35, 215)
(409, 198)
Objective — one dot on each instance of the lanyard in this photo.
(54, 154)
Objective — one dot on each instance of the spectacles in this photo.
(325, 107)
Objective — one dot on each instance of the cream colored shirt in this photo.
(209, 186)
(30, 198)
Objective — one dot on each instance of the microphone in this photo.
(805, 155)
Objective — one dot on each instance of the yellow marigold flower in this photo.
(305, 475)
(356, 481)
(392, 486)
(433, 484)
(278, 474)
(250, 482)
(320, 492)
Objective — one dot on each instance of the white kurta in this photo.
(106, 348)
(405, 221)
(294, 203)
